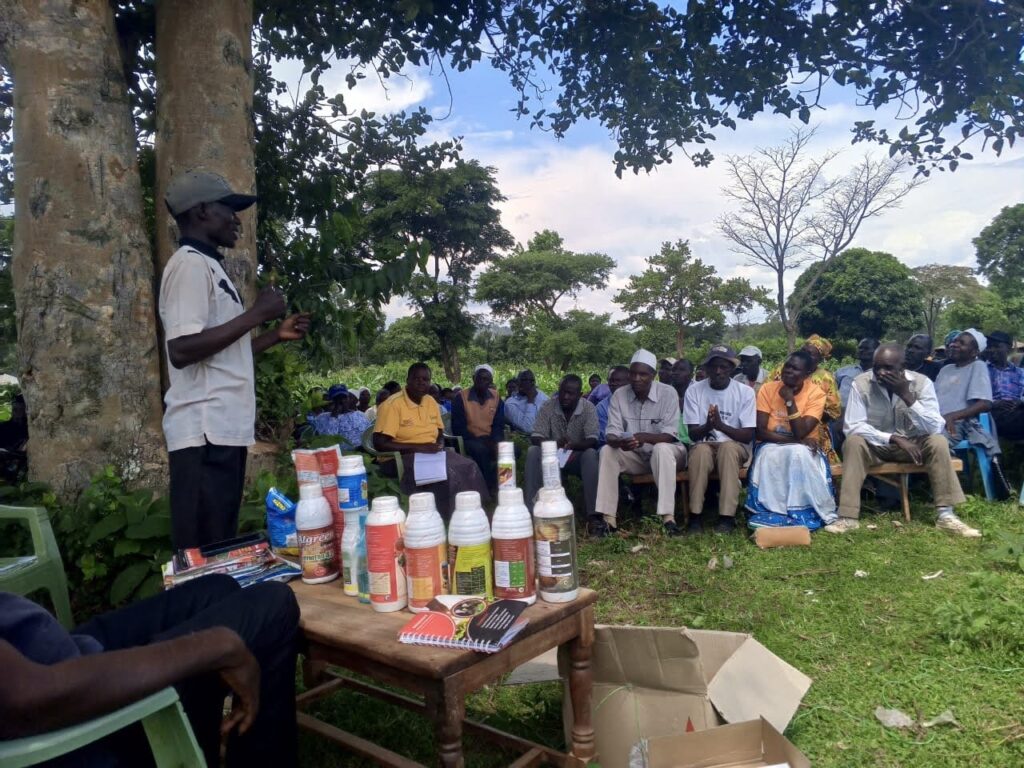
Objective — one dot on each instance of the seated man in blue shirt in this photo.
(617, 377)
(521, 408)
(1007, 387)
(205, 637)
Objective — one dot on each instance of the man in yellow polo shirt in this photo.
(409, 422)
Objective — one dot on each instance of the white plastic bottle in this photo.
(350, 548)
(515, 576)
(549, 469)
(352, 483)
(506, 465)
(469, 548)
(314, 528)
(554, 527)
(385, 555)
(426, 552)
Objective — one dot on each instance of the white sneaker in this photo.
(954, 524)
(842, 525)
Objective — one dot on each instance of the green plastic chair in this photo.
(167, 728)
(450, 441)
(47, 572)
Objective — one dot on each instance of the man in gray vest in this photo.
(893, 415)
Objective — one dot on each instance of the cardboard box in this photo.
(652, 682)
(753, 743)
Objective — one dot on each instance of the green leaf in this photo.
(127, 580)
(107, 526)
(126, 547)
(154, 526)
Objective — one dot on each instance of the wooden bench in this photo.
(896, 474)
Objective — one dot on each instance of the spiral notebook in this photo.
(466, 622)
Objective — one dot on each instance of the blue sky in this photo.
(570, 185)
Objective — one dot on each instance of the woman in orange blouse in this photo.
(790, 478)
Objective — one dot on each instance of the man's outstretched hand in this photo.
(294, 327)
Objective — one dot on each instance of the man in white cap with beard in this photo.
(643, 424)
(750, 371)
(964, 391)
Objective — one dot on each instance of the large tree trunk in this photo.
(204, 85)
(83, 266)
(680, 338)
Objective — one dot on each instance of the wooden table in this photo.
(342, 632)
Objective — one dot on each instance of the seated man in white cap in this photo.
(478, 417)
(750, 371)
(643, 424)
(964, 390)
(721, 417)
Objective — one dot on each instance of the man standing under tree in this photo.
(211, 401)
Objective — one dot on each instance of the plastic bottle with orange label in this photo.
(385, 555)
(426, 552)
(314, 528)
(515, 575)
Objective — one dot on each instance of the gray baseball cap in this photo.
(189, 189)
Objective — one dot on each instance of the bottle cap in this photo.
(422, 502)
(351, 465)
(510, 497)
(310, 491)
(548, 448)
(467, 500)
(385, 504)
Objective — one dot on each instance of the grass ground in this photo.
(880, 640)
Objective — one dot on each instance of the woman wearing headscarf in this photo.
(819, 349)
(790, 478)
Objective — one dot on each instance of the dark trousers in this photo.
(1009, 422)
(265, 616)
(482, 452)
(206, 493)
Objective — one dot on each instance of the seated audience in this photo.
(964, 390)
(410, 423)
(751, 373)
(393, 387)
(342, 420)
(617, 377)
(643, 423)
(893, 415)
(600, 392)
(371, 413)
(720, 417)
(207, 637)
(521, 408)
(571, 421)
(819, 349)
(665, 370)
(363, 397)
(478, 417)
(593, 382)
(918, 356)
(790, 481)
(682, 376)
(1007, 387)
(447, 398)
(511, 387)
(865, 359)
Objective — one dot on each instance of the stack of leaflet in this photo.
(248, 560)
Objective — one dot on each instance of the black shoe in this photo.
(597, 527)
(725, 525)
(671, 529)
(694, 527)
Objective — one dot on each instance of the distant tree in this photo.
(577, 338)
(858, 293)
(984, 309)
(1000, 251)
(791, 214)
(940, 285)
(451, 215)
(405, 339)
(678, 291)
(535, 278)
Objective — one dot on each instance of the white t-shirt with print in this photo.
(736, 405)
(213, 400)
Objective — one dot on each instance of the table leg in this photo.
(312, 672)
(447, 707)
(580, 684)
